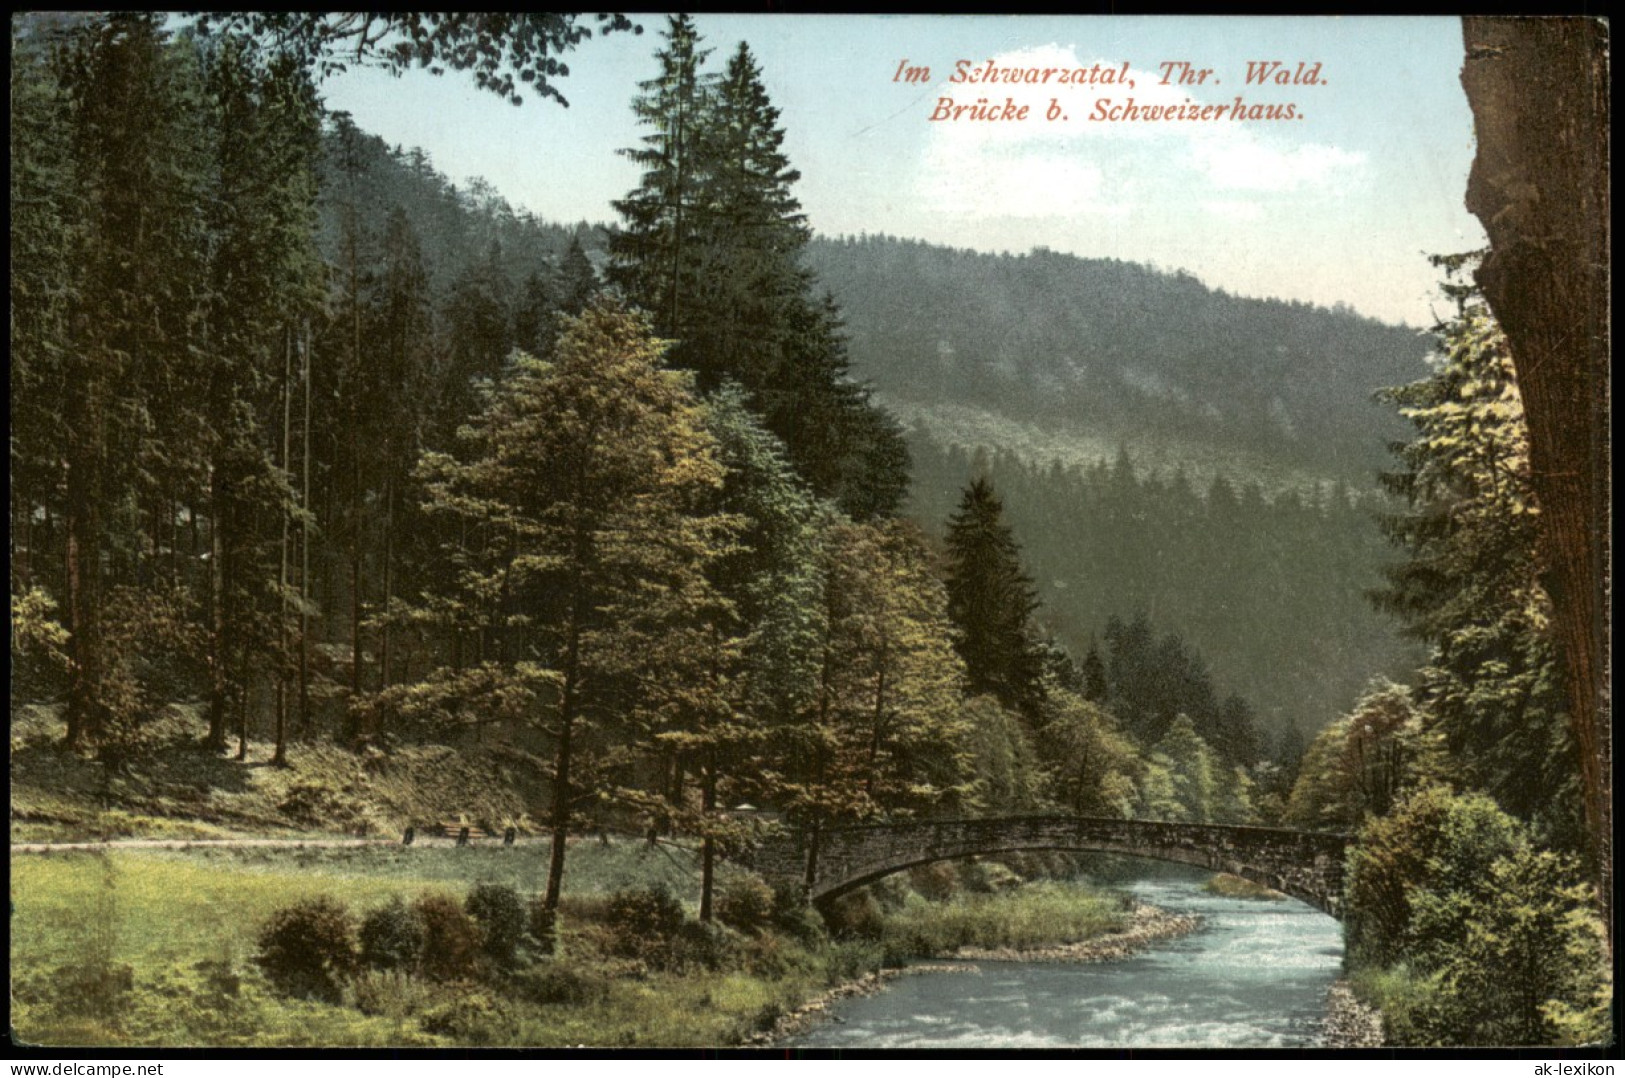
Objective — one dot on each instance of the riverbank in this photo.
(1350, 1023)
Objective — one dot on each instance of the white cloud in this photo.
(1247, 163)
(1029, 183)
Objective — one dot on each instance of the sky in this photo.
(1340, 204)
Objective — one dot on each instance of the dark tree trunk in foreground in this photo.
(1539, 93)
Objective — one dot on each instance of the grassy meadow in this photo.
(157, 947)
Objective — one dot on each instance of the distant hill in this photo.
(1111, 403)
(1120, 351)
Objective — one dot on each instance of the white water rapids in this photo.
(1255, 975)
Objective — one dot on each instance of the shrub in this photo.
(767, 957)
(451, 939)
(315, 805)
(644, 918)
(553, 984)
(745, 902)
(502, 918)
(392, 994)
(471, 1016)
(694, 946)
(845, 962)
(543, 926)
(308, 949)
(988, 877)
(1501, 944)
(795, 916)
(855, 917)
(1435, 841)
(392, 937)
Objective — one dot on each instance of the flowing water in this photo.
(1255, 975)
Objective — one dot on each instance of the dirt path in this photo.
(421, 842)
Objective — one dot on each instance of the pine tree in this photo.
(749, 235)
(132, 310)
(265, 280)
(654, 253)
(575, 282)
(711, 244)
(991, 601)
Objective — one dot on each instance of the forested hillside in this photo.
(1270, 589)
(1119, 350)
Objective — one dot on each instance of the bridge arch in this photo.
(1306, 865)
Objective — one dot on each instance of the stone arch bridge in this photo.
(1304, 864)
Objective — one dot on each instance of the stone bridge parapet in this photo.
(1307, 865)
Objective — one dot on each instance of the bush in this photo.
(767, 957)
(308, 949)
(451, 939)
(552, 984)
(795, 916)
(1499, 940)
(314, 805)
(472, 1016)
(745, 902)
(543, 926)
(643, 918)
(502, 918)
(845, 962)
(392, 937)
(855, 917)
(1435, 841)
(392, 994)
(695, 946)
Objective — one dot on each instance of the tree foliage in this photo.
(1499, 933)
(991, 601)
(1469, 586)
(504, 50)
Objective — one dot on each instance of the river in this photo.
(1255, 975)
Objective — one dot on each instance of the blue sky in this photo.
(1341, 205)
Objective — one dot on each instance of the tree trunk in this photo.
(1539, 94)
(280, 757)
(304, 560)
(568, 705)
(708, 845)
(83, 570)
(219, 675)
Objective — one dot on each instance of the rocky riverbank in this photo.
(1350, 1023)
(816, 1010)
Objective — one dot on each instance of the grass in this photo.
(165, 941)
(176, 918)
(1037, 915)
(1229, 886)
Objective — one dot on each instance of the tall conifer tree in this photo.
(991, 601)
